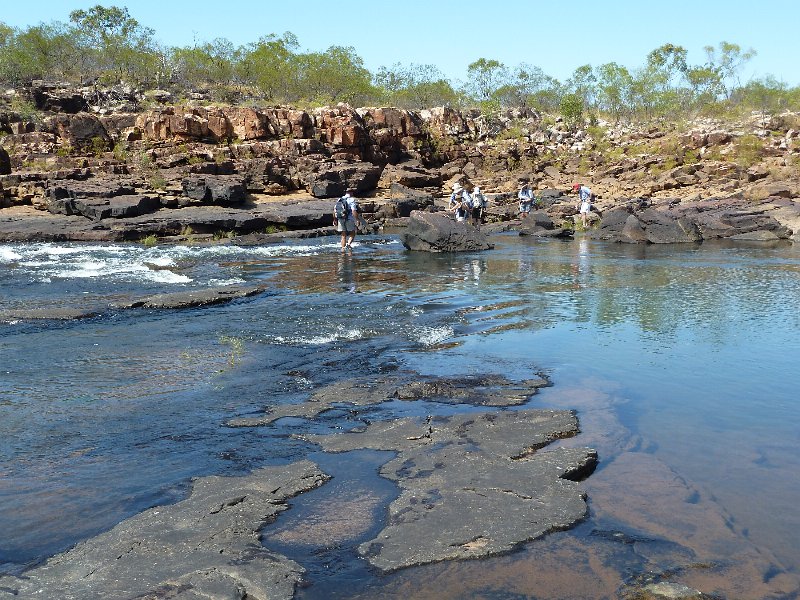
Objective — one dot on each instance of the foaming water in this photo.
(680, 361)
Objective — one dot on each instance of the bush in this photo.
(749, 150)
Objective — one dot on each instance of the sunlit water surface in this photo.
(681, 361)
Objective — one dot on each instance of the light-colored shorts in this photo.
(348, 226)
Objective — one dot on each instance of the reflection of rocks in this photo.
(480, 390)
(473, 485)
(206, 546)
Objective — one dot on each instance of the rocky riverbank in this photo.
(130, 170)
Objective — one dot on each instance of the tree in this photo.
(530, 86)
(572, 109)
(338, 74)
(726, 61)
(272, 64)
(209, 64)
(40, 52)
(614, 84)
(114, 46)
(415, 86)
(582, 84)
(485, 78)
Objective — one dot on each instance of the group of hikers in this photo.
(466, 206)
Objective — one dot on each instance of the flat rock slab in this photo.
(206, 546)
(194, 298)
(472, 485)
(43, 314)
(478, 390)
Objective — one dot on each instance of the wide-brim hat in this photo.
(457, 187)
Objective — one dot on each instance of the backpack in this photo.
(478, 201)
(341, 210)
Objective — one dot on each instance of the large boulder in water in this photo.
(436, 232)
(647, 226)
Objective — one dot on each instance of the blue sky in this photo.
(557, 36)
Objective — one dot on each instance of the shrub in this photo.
(749, 150)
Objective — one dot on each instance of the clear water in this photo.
(681, 361)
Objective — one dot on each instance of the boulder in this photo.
(332, 180)
(436, 232)
(215, 189)
(662, 228)
(403, 201)
(5, 162)
(410, 175)
(539, 224)
(115, 208)
(649, 225)
(56, 99)
(82, 130)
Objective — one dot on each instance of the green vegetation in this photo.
(749, 150)
(108, 45)
(236, 348)
(149, 241)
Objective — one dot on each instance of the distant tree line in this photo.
(106, 45)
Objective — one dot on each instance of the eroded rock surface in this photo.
(478, 390)
(206, 546)
(472, 485)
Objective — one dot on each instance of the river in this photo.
(681, 362)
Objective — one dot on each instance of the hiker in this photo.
(460, 203)
(346, 217)
(526, 200)
(478, 206)
(585, 198)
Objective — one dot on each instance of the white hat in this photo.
(457, 187)
(477, 188)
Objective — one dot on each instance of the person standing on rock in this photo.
(526, 200)
(345, 217)
(460, 203)
(478, 206)
(585, 199)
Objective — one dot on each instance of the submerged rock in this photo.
(477, 390)
(206, 546)
(193, 298)
(43, 314)
(472, 485)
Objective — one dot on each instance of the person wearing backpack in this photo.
(526, 199)
(478, 206)
(345, 217)
(460, 203)
(585, 198)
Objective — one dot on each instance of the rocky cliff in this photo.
(91, 165)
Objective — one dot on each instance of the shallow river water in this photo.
(681, 362)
